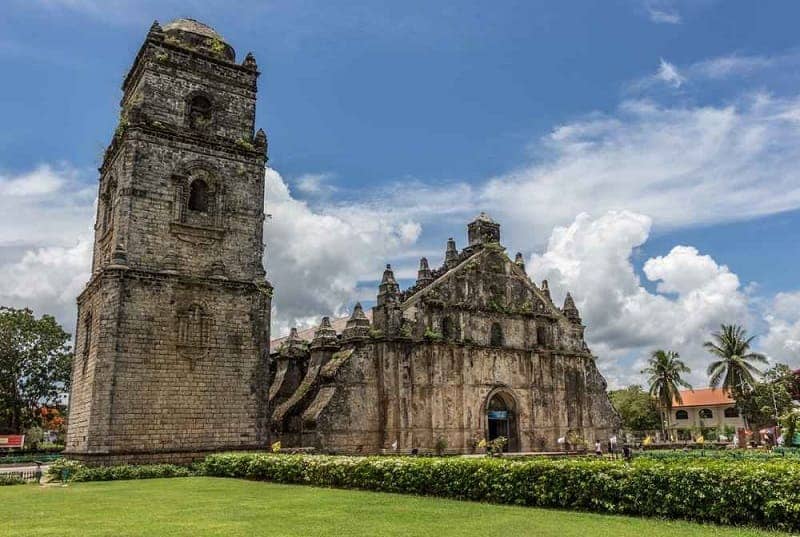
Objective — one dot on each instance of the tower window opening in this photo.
(496, 336)
(198, 196)
(199, 112)
(447, 328)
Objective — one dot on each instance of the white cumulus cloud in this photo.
(315, 257)
(48, 280)
(680, 165)
(45, 206)
(592, 258)
(782, 341)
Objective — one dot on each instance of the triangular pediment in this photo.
(486, 280)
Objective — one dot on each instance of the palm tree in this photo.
(733, 369)
(665, 369)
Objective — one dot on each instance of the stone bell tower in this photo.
(173, 326)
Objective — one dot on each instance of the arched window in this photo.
(447, 328)
(496, 337)
(681, 415)
(731, 412)
(198, 196)
(199, 112)
(705, 413)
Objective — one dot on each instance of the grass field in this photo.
(201, 506)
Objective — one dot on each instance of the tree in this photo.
(637, 408)
(790, 422)
(35, 360)
(733, 369)
(769, 399)
(665, 369)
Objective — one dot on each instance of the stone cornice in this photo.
(222, 145)
(120, 272)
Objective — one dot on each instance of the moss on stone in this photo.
(432, 335)
(245, 144)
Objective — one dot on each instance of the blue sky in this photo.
(639, 152)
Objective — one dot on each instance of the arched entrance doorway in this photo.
(501, 418)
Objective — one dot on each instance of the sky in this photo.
(641, 154)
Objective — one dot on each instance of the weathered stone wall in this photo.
(417, 393)
(191, 387)
(151, 198)
(94, 347)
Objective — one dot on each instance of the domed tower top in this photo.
(196, 35)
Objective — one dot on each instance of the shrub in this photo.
(11, 479)
(710, 453)
(80, 472)
(29, 457)
(765, 493)
(496, 446)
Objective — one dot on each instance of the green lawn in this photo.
(209, 506)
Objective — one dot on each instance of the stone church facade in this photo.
(474, 350)
(173, 324)
(172, 355)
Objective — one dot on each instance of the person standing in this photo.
(598, 449)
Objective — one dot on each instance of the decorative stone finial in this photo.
(546, 290)
(260, 139)
(325, 336)
(570, 310)
(520, 261)
(250, 62)
(388, 290)
(388, 275)
(424, 275)
(357, 324)
(451, 254)
(293, 347)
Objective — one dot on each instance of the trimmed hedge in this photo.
(31, 457)
(80, 472)
(738, 454)
(764, 493)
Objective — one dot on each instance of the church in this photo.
(474, 350)
(173, 358)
